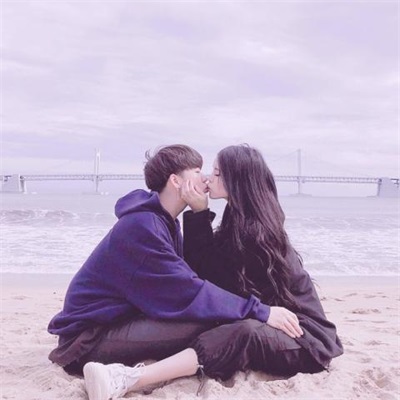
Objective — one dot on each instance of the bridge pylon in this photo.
(96, 175)
(300, 180)
(13, 184)
(388, 188)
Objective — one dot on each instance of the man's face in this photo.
(196, 176)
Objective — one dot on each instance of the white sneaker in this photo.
(105, 382)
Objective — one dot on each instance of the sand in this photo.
(365, 310)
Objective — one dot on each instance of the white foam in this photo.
(359, 237)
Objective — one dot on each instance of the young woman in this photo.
(249, 254)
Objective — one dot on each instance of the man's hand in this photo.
(283, 319)
(196, 199)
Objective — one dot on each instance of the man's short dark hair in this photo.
(169, 160)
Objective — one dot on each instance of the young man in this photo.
(135, 297)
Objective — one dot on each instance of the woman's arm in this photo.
(207, 259)
(198, 236)
(200, 250)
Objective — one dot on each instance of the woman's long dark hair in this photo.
(253, 224)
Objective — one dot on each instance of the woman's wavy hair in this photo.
(253, 223)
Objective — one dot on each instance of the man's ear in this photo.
(176, 181)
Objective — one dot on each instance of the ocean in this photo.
(55, 233)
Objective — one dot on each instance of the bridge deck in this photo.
(280, 178)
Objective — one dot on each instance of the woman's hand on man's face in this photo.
(196, 199)
(283, 319)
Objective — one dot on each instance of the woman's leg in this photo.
(184, 363)
(107, 368)
(250, 344)
(221, 351)
(104, 382)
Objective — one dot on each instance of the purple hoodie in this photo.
(138, 269)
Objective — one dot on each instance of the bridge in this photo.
(16, 183)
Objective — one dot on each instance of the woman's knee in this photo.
(228, 348)
(249, 328)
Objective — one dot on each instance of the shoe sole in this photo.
(96, 378)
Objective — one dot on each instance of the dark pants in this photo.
(222, 350)
(251, 344)
(141, 339)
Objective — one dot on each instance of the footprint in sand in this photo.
(381, 378)
(366, 360)
(379, 322)
(373, 296)
(373, 343)
(365, 311)
(347, 342)
(21, 297)
(50, 378)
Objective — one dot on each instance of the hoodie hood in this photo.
(138, 201)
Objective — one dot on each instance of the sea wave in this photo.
(53, 217)
(59, 241)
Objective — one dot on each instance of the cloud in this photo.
(128, 76)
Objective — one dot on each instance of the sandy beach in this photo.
(365, 310)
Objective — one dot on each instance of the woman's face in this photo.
(216, 188)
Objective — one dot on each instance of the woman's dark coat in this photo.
(216, 263)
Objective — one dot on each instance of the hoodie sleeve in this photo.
(164, 286)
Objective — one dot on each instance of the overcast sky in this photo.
(127, 76)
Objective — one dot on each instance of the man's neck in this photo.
(172, 203)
